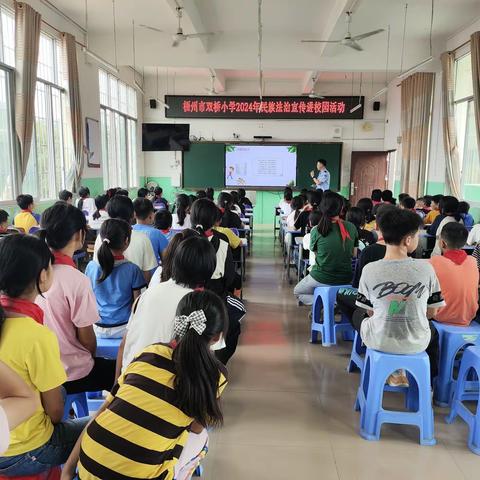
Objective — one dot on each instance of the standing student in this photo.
(69, 305)
(449, 213)
(140, 251)
(400, 294)
(40, 441)
(230, 219)
(159, 202)
(322, 180)
(85, 203)
(116, 282)
(334, 243)
(181, 217)
(25, 219)
(173, 393)
(145, 214)
(435, 210)
(66, 196)
(153, 315)
(163, 221)
(100, 214)
(463, 209)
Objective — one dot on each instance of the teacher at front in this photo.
(322, 181)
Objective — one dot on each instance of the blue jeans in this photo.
(55, 452)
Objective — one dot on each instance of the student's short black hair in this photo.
(163, 219)
(408, 203)
(194, 262)
(201, 194)
(322, 161)
(22, 259)
(387, 196)
(437, 198)
(395, 224)
(143, 207)
(384, 207)
(65, 195)
(376, 195)
(122, 191)
(3, 216)
(455, 235)
(242, 193)
(356, 216)
(402, 196)
(427, 200)
(60, 223)
(463, 207)
(158, 190)
(142, 192)
(83, 192)
(448, 205)
(24, 201)
(120, 206)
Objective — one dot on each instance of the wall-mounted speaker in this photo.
(153, 103)
(376, 106)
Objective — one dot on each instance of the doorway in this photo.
(369, 171)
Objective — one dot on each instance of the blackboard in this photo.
(204, 164)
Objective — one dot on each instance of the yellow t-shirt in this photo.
(431, 216)
(25, 220)
(32, 351)
(233, 240)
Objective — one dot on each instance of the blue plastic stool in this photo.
(463, 391)
(77, 401)
(451, 339)
(108, 347)
(357, 357)
(326, 297)
(378, 366)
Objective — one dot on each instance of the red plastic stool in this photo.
(52, 474)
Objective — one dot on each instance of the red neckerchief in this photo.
(62, 259)
(209, 233)
(25, 307)
(222, 210)
(380, 239)
(456, 256)
(165, 231)
(26, 210)
(119, 257)
(343, 231)
(376, 202)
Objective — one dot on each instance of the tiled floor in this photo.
(289, 405)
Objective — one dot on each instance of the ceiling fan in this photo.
(211, 90)
(348, 40)
(179, 36)
(312, 93)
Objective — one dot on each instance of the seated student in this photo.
(386, 197)
(313, 220)
(409, 203)
(224, 280)
(25, 219)
(458, 276)
(145, 214)
(201, 194)
(153, 315)
(474, 235)
(140, 251)
(367, 206)
(116, 282)
(376, 196)
(314, 197)
(434, 211)
(356, 216)
(233, 240)
(30, 349)
(69, 305)
(18, 402)
(163, 222)
(236, 207)
(85, 203)
(402, 196)
(463, 209)
(66, 196)
(122, 191)
(230, 219)
(181, 217)
(335, 243)
(100, 214)
(421, 207)
(4, 228)
(298, 203)
(159, 202)
(449, 213)
(210, 193)
(244, 201)
(173, 393)
(191, 199)
(285, 205)
(142, 192)
(399, 293)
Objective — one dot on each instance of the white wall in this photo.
(367, 134)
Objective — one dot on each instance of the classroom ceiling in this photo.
(233, 52)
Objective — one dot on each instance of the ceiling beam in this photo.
(191, 10)
(220, 80)
(336, 15)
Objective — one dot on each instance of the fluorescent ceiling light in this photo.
(415, 68)
(100, 60)
(378, 94)
(354, 109)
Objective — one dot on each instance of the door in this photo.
(369, 171)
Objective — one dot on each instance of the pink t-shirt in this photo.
(4, 431)
(70, 304)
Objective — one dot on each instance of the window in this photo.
(50, 166)
(465, 122)
(118, 118)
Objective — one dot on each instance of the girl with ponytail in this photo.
(116, 282)
(70, 306)
(334, 242)
(173, 395)
(230, 219)
(181, 219)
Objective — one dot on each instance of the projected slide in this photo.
(260, 165)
